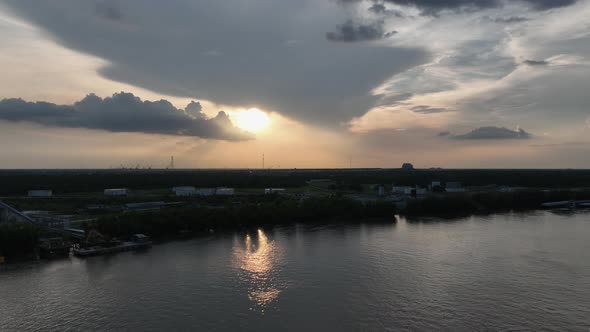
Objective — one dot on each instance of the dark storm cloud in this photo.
(109, 10)
(510, 20)
(444, 134)
(380, 9)
(536, 62)
(424, 109)
(167, 47)
(492, 133)
(353, 32)
(124, 112)
(435, 6)
(548, 4)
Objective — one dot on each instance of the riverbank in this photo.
(481, 203)
(18, 242)
(192, 219)
(228, 214)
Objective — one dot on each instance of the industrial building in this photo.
(144, 206)
(206, 191)
(184, 191)
(454, 187)
(225, 191)
(116, 192)
(407, 166)
(40, 193)
(192, 191)
(401, 189)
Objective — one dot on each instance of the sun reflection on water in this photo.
(258, 260)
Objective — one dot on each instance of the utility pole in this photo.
(263, 161)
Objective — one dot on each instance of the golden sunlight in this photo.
(252, 120)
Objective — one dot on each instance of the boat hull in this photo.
(99, 250)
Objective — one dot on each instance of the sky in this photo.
(307, 83)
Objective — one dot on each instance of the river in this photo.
(500, 272)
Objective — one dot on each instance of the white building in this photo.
(116, 192)
(225, 191)
(206, 191)
(184, 191)
(40, 193)
(454, 187)
(270, 191)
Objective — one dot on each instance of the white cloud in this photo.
(478, 70)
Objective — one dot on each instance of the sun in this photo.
(252, 120)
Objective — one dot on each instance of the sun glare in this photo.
(252, 120)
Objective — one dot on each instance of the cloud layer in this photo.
(124, 112)
(505, 64)
(434, 6)
(445, 68)
(494, 133)
(268, 54)
(353, 32)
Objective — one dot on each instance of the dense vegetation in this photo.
(195, 218)
(17, 240)
(68, 181)
(487, 202)
(77, 190)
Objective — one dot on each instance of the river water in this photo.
(502, 272)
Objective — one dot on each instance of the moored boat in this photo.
(138, 241)
(54, 247)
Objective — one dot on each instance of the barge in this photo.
(54, 247)
(138, 241)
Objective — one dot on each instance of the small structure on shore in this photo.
(116, 192)
(40, 193)
(54, 247)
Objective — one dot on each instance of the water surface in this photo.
(503, 272)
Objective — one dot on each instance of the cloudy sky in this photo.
(309, 83)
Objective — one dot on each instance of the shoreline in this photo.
(28, 259)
